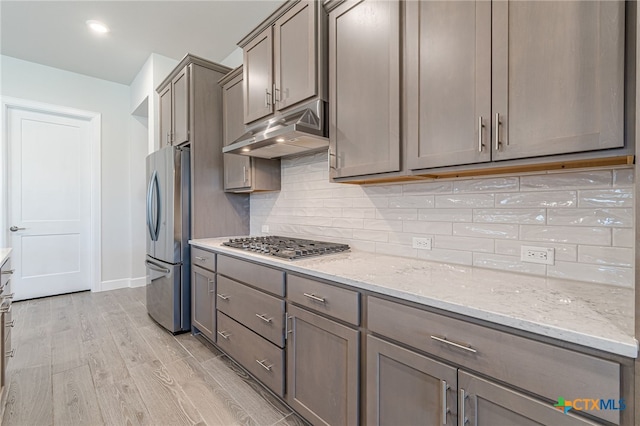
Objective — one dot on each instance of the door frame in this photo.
(94, 120)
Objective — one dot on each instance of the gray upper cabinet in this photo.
(283, 59)
(174, 110)
(558, 77)
(295, 55)
(242, 173)
(448, 82)
(364, 87)
(258, 77)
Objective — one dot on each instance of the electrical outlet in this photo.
(532, 254)
(422, 243)
(265, 229)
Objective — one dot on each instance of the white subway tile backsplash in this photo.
(427, 188)
(507, 263)
(486, 230)
(621, 218)
(566, 234)
(567, 180)
(502, 184)
(440, 228)
(537, 199)
(615, 256)
(464, 200)
(445, 215)
(411, 201)
(620, 197)
(623, 237)
(466, 243)
(613, 275)
(448, 256)
(566, 252)
(623, 177)
(586, 216)
(523, 216)
(397, 214)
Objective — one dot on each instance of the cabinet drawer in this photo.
(203, 258)
(258, 311)
(262, 277)
(334, 301)
(5, 276)
(261, 358)
(541, 368)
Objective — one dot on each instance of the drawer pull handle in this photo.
(5, 309)
(202, 259)
(8, 296)
(455, 344)
(11, 324)
(445, 409)
(314, 297)
(9, 272)
(223, 296)
(224, 334)
(264, 318)
(264, 365)
(11, 353)
(462, 417)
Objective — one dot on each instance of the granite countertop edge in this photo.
(623, 343)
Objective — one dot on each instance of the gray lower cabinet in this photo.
(242, 173)
(364, 87)
(406, 388)
(203, 285)
(322, 368)
(486, 403)
(6, 322)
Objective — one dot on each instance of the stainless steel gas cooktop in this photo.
(285, 247)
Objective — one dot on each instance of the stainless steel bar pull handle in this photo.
(463, 346)
(11, 323)
(264, 318)
(462, 418)
(445, 409)
(244, 174)
(11, 353)
(480, 129)
(15, 229)
(224, 334)
(314, 297)
(223, 296)
(201, 259)
(6, 309)
(8, 296)
(264, 365)
(498, 123)
(267, 98)
(210, 282)
(9, 272)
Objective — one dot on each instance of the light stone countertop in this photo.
(4, 254)
(592, 315)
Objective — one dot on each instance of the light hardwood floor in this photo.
(98, 358)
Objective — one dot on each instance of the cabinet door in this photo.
(322, 369)
(448, 82)
(485, 403)
(364, 85)
(558, 77)
(295, 55)
(258, 77)
(165, 116)
(203, 301)
(237, 168)
(180, 85)
(405, 388)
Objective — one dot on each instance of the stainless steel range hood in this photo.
(298, 131)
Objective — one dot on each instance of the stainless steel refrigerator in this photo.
(168, 261)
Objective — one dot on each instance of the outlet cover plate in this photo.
(532, 254)
(421, 243)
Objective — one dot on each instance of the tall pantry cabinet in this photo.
(214, 213)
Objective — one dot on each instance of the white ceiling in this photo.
(54, 33)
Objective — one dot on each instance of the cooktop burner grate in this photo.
(285, 247)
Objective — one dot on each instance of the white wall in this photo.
(587, 216)
(30, 81)
(234, 59)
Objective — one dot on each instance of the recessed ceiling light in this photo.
(97, 26)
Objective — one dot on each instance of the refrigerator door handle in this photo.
(155, 267)
(156, 186)
(149, 212)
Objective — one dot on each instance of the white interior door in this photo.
(50, 203)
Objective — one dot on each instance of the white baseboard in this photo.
(138, 282)
(114, 284)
